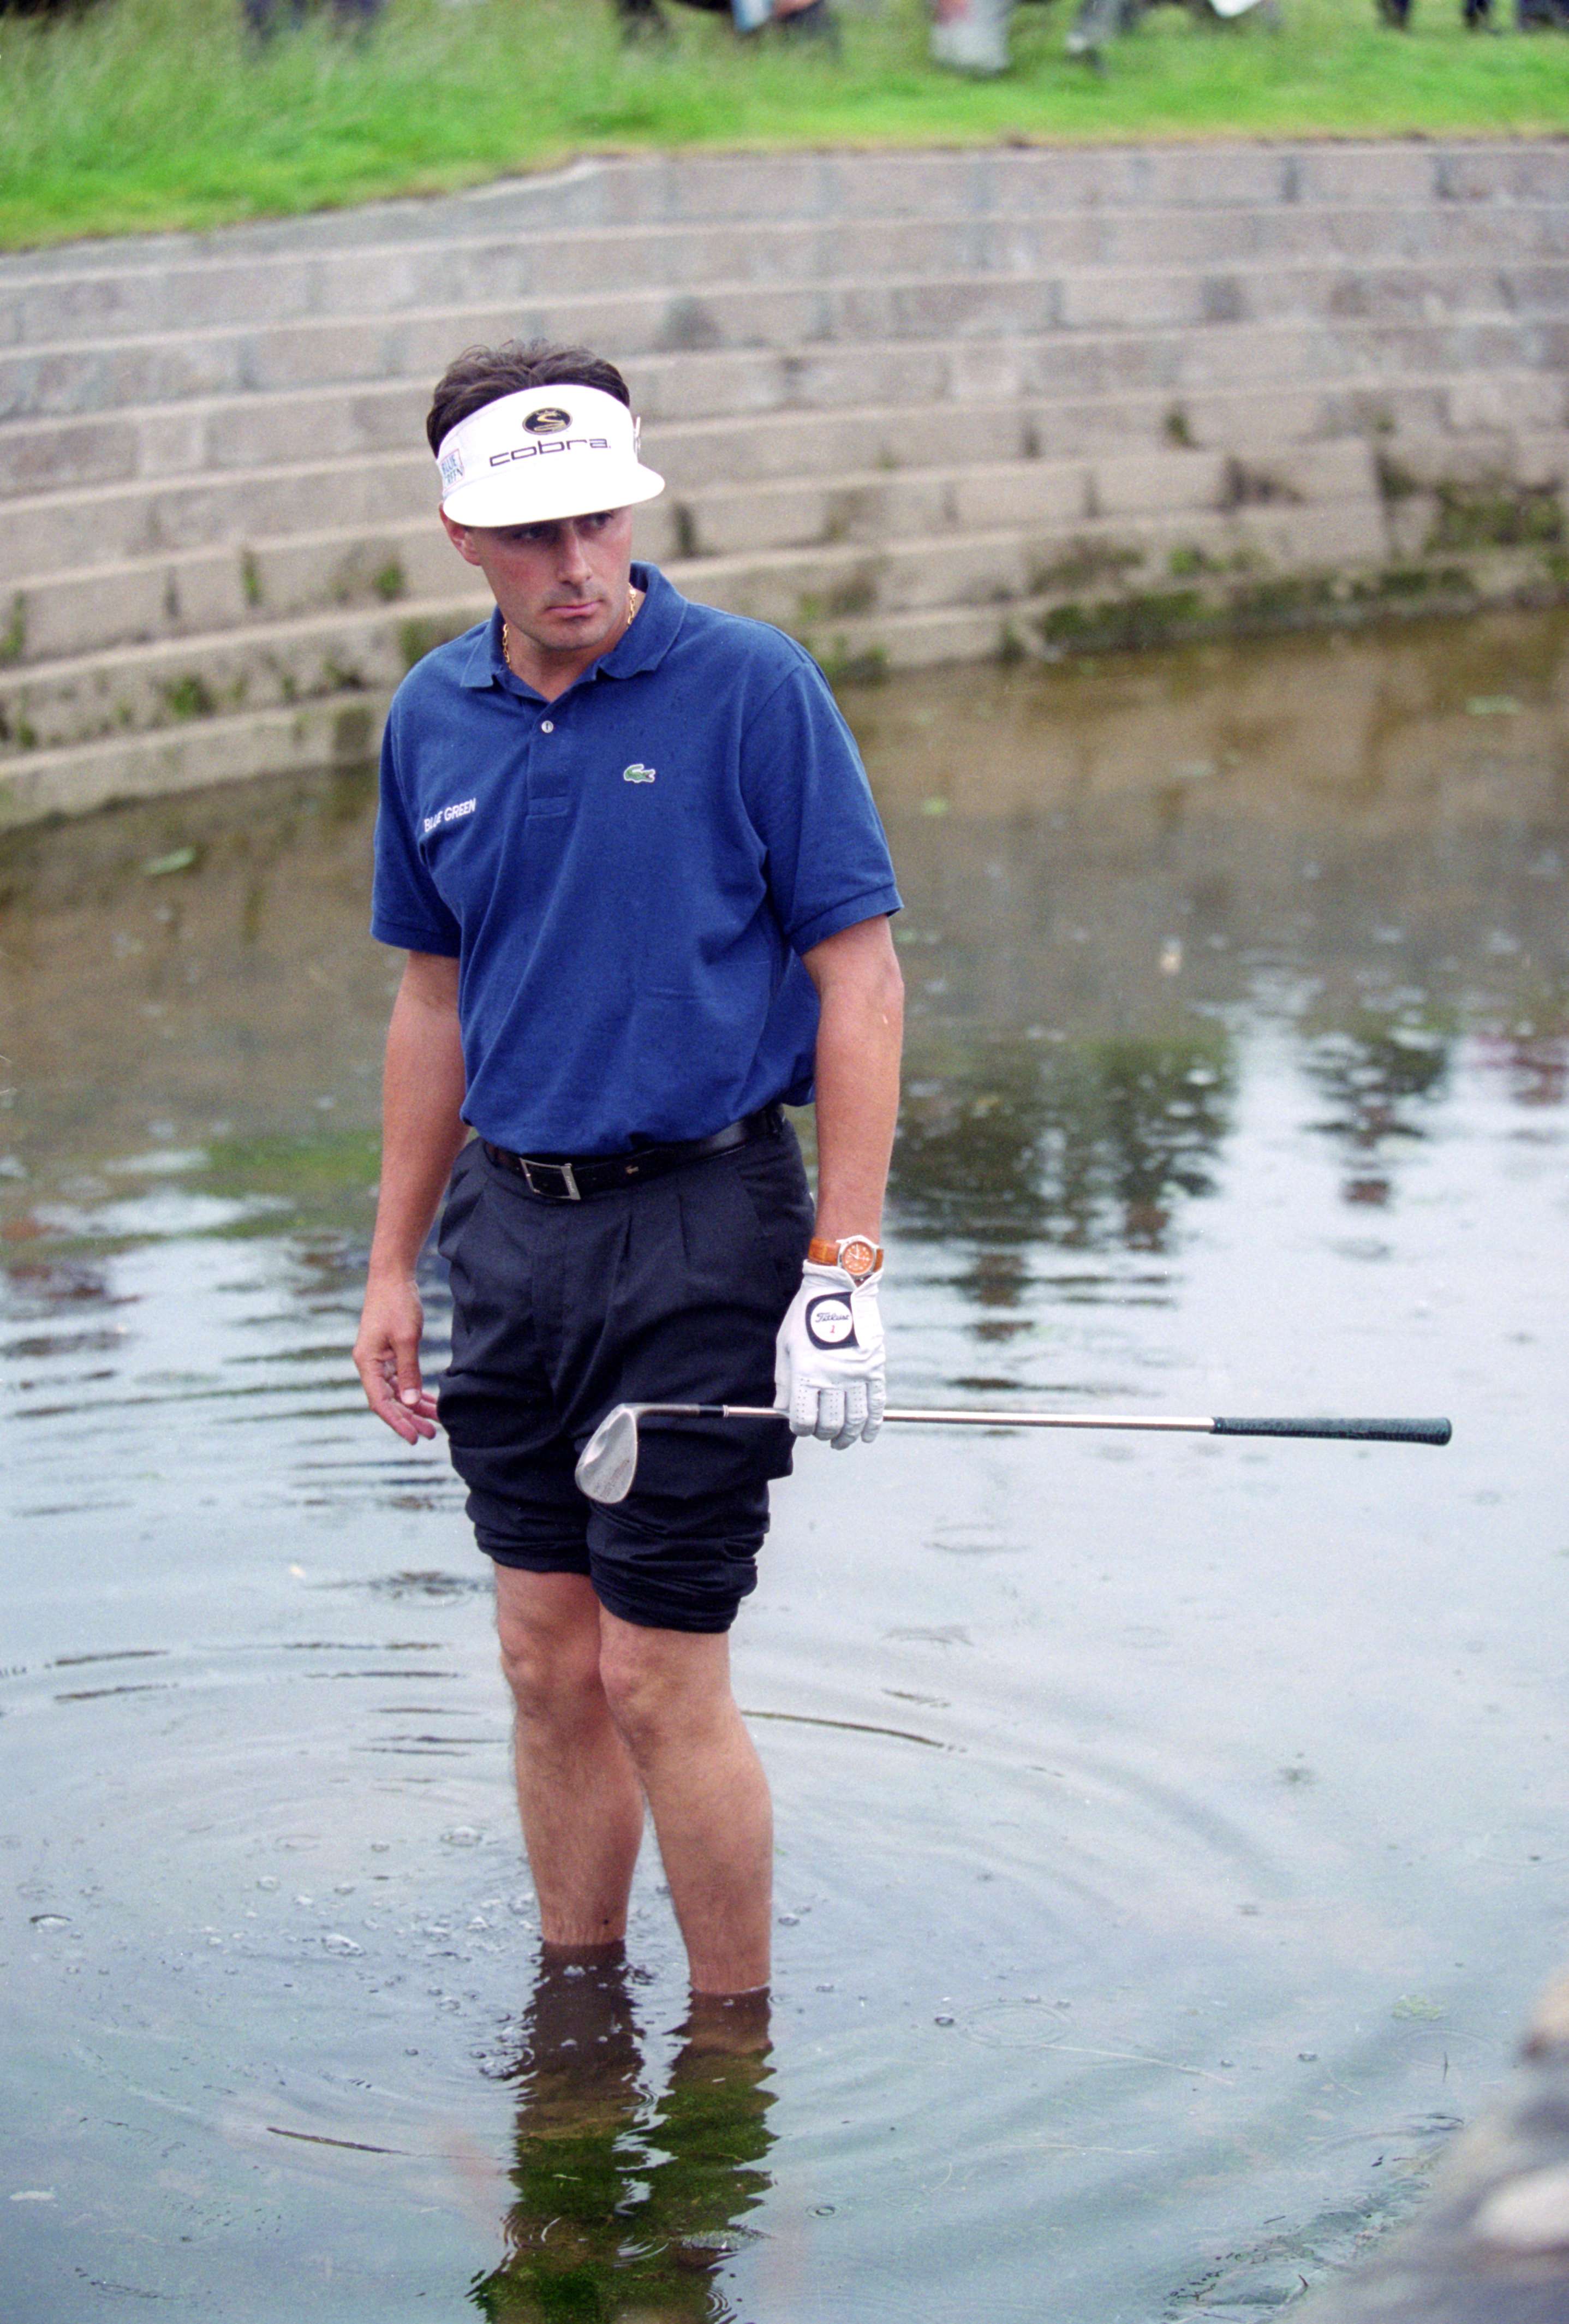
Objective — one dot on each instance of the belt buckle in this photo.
(569, 1191)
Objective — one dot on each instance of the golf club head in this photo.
(608, 1462)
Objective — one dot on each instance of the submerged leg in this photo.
(669, 1695)
(578, 1794)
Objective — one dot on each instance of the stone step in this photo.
(341, 728)
(728, 190)
(189, 592)
(202, 435)
(148, 524)
(140, 688)
(338, 730)
(92, 696)
(195, 592)
(909, 406)
(1048, 626)
(112, 524)
(104, 305)
(56, 533)
(368, 348)
(802, 591)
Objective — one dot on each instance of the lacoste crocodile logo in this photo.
(637, 773)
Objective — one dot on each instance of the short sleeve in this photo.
(828, 864)
(405, 907)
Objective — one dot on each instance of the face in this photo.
(563, 585)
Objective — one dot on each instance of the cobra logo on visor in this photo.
(549, 420)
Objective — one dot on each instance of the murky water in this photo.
(1171, 1833)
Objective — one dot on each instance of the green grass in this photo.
(148, 114)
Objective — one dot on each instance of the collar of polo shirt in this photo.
(540, 455)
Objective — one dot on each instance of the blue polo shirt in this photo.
(628, 875)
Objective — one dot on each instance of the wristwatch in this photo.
(858, 1255)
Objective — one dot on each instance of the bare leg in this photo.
(669, 1692)
(578, 1794)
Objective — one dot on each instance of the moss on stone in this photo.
(1186, 562)
(1083, 564)
(1291, 597)
(1245, 485)
(1395, 482)
(1145, 619)
(846, 665)
(13, 637)
(417, 638)
(1496, 515)
(1395, 582)
(189, 696)
(856, 593)
(353, 735)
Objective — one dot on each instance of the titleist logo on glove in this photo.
(829, 1365)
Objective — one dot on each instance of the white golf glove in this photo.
(829, 1364)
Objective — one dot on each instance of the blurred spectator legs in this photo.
(261, 16)
(970, 36)
(807, 20)
(1530, 16)
(265, 17)
(797, 20)
(1097, 24)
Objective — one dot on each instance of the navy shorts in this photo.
(669, 1292)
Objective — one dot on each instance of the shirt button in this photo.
(546, 725)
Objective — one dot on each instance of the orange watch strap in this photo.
(826, 1254)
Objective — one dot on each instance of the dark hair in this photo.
(480, 374)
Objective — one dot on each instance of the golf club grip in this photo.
(1367, 1432)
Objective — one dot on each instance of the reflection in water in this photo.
(627, 2207)
(1377, 1073)
(1086, 1146)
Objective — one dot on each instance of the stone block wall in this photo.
(914, 407)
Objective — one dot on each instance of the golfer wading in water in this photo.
(629, 847)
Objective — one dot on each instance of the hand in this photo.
(828, 1365)
(386, 1356)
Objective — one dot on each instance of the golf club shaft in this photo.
(1367, 1432)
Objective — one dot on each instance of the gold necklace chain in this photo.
(634, 598)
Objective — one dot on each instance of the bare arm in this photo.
(421, 1133)
(859, 1038)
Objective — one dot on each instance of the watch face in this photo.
(857, 1257)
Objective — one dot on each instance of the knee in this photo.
(644, 1701)
(657, 1697)
(553, 1675)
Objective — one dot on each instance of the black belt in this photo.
(560, 1178)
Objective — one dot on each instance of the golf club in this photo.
(608, 1462)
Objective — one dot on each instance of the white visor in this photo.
(545, 453)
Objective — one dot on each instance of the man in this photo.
(629, 847)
